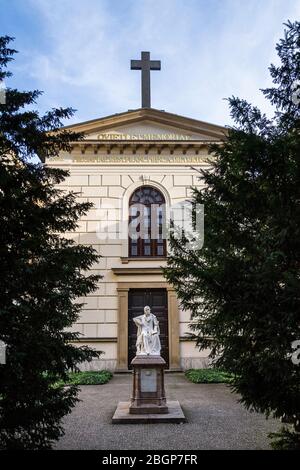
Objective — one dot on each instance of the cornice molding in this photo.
(153, 115)
(146, 143)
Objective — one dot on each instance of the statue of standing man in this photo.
(148, 342)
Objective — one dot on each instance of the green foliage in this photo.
(208, 376)
(87, 378)
(243, 286)
(42, 272)
(285, 439)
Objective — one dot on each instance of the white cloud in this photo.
(209, 50)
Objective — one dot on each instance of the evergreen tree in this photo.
(243, 286)
(42, 272)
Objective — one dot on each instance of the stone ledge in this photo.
(137, 270)
(128, 259)
(122, 416)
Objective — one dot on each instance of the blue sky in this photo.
(78, 52)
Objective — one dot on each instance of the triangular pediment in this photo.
(148, 124)
(146, 130)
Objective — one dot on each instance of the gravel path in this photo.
(215, 420)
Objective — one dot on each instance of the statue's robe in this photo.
(148, 342)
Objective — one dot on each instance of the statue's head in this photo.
(147, 310)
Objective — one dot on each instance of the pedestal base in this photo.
(148, 401)
(148, 394)
(123, 416)
(148, 409)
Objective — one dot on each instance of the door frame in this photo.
(133, 327)
(173, 322)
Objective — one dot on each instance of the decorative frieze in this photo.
(134, 159)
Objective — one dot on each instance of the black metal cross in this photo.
(145, 65)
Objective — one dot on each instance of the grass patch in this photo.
(208, 376)
(88, 378)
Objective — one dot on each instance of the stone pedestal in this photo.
(148, 402)
(148, 394)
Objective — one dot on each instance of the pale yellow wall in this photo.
(106, 361)
(191, 358)
(110, 184)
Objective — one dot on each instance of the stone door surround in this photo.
(123, 289)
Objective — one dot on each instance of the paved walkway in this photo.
(215, 420)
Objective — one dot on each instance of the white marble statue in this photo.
(148, 342)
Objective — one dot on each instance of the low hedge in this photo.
(87, 378)
(208, 376)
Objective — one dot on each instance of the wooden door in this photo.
(158, 302)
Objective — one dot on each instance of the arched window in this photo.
(147, 215)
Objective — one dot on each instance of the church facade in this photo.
(144, 156)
